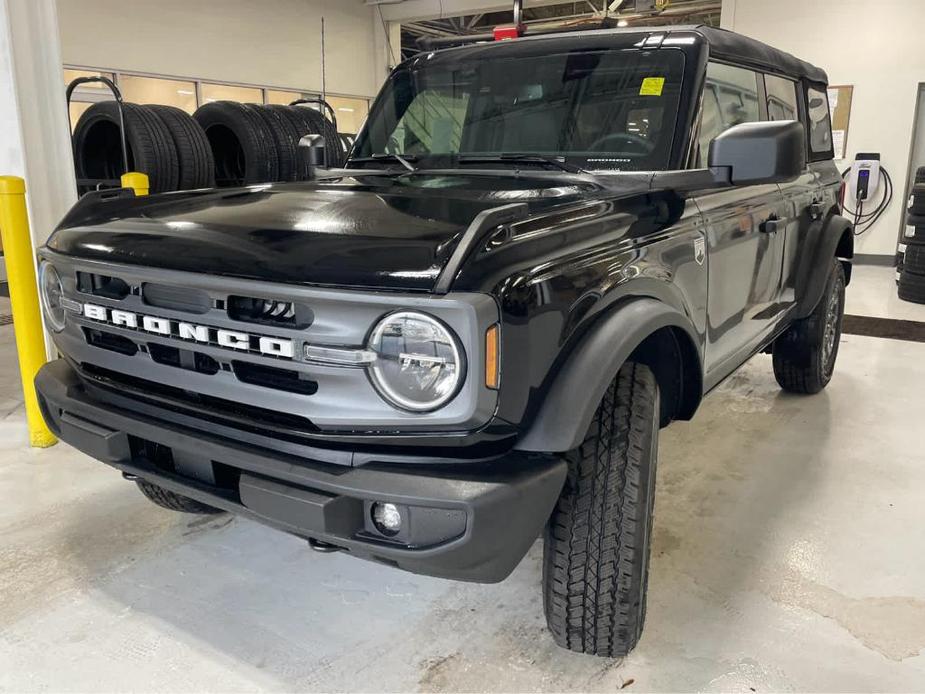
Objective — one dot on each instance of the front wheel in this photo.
(174, 502)
(804, 356)
(596, 551)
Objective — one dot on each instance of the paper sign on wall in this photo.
(838, 143)
(840, 97)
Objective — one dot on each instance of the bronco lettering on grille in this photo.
(230, 339)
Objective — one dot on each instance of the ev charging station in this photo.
(867, 185)
(864, 177)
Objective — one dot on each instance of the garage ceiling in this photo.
(564, 14)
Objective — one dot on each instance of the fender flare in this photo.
(814, 274)
(578, 387)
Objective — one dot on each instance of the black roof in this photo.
(738, 48)
(723, 44)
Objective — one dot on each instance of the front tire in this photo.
(596, 552)
(174, 502)
(804, 356)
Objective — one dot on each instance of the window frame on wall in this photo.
(88, 94)
(116, 76)
(184, 88)
(205, 86)
(346, 111)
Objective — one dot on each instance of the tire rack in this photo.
(117, 95)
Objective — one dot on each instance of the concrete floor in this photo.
(787, 556)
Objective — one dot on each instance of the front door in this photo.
(745, 254)
(800, 196)
(745, 238)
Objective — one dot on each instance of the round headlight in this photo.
(419, 364)
(51, 292)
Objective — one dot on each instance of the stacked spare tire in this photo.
(162, 141)
(911, 252)
(257, 143)
(223, 143)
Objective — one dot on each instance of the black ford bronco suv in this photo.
(540, 251)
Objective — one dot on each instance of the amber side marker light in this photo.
(492, 363)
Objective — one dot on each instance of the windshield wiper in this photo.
(515, 158)
(403, 159)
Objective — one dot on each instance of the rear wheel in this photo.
(596, 553)
(174, 502)
(804, 356)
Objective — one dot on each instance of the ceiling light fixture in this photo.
(623, 23)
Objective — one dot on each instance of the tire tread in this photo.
(596, 550)
(797, 360)
(196, 165)
(174, 502)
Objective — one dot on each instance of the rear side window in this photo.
(782, 98)
(820, 127)
(730, 97)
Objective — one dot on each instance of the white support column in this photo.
(34, 140)
(727, 17)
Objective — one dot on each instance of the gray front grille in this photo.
(329, 397)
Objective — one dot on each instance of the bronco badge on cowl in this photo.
(540, 252)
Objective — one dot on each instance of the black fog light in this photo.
(386, 518)
(413, 527)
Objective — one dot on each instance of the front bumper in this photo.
(471, 521)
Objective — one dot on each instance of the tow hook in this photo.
(324, 547)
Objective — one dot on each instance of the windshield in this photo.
(613, 109)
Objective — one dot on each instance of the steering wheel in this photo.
(645, 146)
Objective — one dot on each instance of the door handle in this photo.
(771, 225)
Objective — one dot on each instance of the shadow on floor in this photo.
(267, 603)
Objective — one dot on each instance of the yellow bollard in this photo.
(27, 318)
(136, 181)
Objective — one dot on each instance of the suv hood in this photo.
(376, 231)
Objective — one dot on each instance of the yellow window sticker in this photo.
(652, 86)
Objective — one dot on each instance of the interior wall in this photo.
(272, 42)
(874, 46)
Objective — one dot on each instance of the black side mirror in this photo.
(311, 148)
(766, 152)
